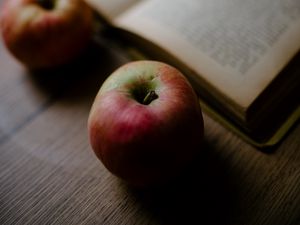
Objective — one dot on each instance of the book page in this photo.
(238, 46)
(111, 8)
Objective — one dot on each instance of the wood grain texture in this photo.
(49, 174)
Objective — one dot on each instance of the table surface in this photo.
(50, 175)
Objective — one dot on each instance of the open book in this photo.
(240, 55)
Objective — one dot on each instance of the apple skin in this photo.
(43, 38)
(146, 144)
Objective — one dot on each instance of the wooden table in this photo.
(49, 174)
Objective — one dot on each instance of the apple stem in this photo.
(151, 95)
(46, 4)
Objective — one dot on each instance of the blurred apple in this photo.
(46, 33)
(146, 123)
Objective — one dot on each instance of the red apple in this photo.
(46, 33)
(146, 123)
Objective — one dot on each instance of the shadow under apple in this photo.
(80, 78)
(203, 194)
